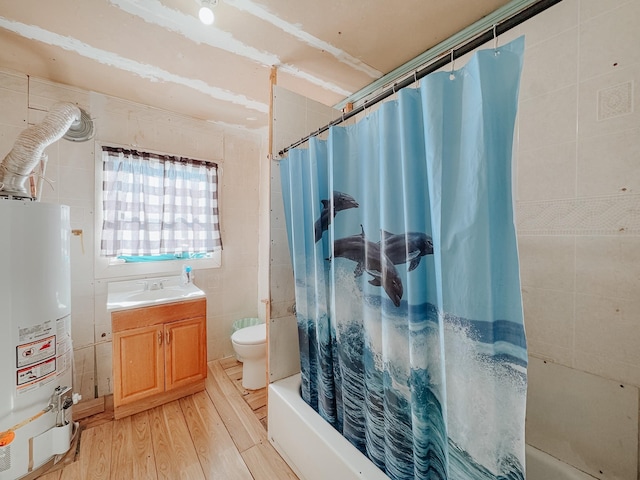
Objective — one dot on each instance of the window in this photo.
(157, 207)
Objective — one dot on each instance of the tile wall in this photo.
(577, 195)
(578, 186)
(231, 290)
(294, 117)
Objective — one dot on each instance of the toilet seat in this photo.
(254, 335)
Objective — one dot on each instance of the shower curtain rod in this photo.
(469, 46)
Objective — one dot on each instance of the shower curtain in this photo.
(407, 284)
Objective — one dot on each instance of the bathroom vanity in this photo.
(159, 346)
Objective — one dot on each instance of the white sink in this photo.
(149, 291)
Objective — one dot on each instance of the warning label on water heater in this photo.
(34, 352)
(36, 373)
(34, 332)
(44, 351)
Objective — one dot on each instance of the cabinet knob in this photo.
(159, 338)
(168, 337)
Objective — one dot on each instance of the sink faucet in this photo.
(145, 284)
(158, 284)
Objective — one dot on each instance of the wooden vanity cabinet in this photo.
(159, 355)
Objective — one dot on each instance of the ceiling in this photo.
(158, 53)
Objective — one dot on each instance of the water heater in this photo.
(36, 353)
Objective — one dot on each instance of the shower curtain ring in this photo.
(495, 36)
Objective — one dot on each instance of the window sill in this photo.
(104, 269)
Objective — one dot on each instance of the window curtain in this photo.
(407, 287)
(158, 204)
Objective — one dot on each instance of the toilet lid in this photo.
(251, 335)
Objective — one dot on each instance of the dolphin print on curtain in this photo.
(408, 301)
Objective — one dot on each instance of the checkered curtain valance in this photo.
(158, 204)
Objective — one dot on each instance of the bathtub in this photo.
(316, 451)
(541, 466)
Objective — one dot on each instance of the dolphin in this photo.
(341, 201)
(406, 247)
(370, 258)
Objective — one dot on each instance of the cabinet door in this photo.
(185, 350)
(138, 363)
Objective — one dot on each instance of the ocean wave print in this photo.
(420, 376)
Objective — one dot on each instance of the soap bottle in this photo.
(187, 276)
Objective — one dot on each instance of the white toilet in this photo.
(250, 345)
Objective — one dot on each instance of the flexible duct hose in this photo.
(16, 167)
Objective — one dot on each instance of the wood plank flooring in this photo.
(216, 434)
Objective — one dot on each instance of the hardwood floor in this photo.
(216, 434)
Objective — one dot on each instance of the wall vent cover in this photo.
(615, 101)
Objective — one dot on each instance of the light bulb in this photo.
(206, 15)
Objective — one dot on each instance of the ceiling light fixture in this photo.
(206, 11)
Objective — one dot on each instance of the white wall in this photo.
(577, 171)
(294, 116)
(578, 191)
(231, 290)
